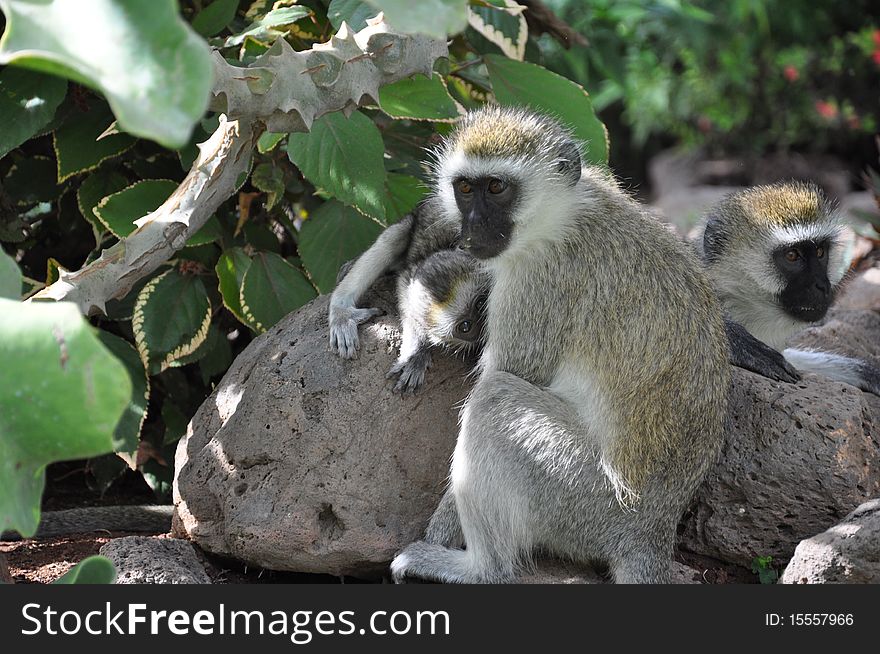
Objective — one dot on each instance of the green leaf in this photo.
(268, 178)
(271, 289)
(343, 156)
(32, 180)
(505, 25)
(118, 211)
(92, 570)
(419, 98)
(437, 18)
(28, 101)
(171, 319)
(525, 84)
(263, 30)
(155, 72)
(10, 277)
(95, 188)
(332, 235)
(404, 193)
(128, 431)
(77, 147)
(217, 359)
(230, 269)
(213, 18)
(61, 396)
(268, 141)
(353, 12)
(208, 233)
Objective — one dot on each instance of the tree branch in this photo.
(282, 91)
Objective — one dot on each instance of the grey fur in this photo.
(735, 243)
(603, 387)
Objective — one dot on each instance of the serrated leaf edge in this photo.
(87, 169)
(513, 50)
(106, 198)
(458, 107)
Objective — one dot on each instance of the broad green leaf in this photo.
(155, 72)
(353, 12)
(268, 141)
(269, 178)
(208, 233)
(117, 212)
(61, 396)
(263, 29)
(503, 23)
(171, 319)
(344, 157)
(404, 193)
(525, 84)
(32, 180)
(77, 147)
(332, 235)
(218, 357)
(28, 101)
(230, 269)
(437, 18)
(128, 431)
(271, 289)
(419, 98)
(95, 188)
(92, 570)
(213, 18)
(10, 277)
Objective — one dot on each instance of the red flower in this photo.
(876, 56)
(791, 73)
(826, 109)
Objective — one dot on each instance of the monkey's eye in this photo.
(464, 326)
(792, 255)
(464, 187)
(479, 304)
(496, 186)
(820, 252)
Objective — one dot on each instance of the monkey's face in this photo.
(487, 207)
(803, 269)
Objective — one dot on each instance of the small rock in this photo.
(144, 560)
(848, 553)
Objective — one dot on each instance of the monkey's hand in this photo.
(870, 378)
(748, 352)
(410, 371)
(344, 322)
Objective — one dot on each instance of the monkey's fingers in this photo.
(344, 339)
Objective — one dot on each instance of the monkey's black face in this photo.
(486, 205)
(470, 327)
(804, 267)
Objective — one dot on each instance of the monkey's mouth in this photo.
(808, 313)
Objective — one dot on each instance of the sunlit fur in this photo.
(603, 384)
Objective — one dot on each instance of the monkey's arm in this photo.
(415, 356)
(851, 371)
(344, 316)
(145, 518)
(748, 352)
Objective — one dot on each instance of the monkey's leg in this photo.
(855, 372)
(344, 316)
(444, 527)
(414, 359)
(644, 560)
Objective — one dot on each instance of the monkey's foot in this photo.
(411, 372)
(422, 560)
(344, 322)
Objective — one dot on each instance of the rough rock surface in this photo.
(848, 553)
(302, 461)
(799, 456)
(143, 560)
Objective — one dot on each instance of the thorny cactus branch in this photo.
(283, 91)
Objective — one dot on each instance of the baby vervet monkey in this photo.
(603, 383)
(776, 257)
(441, 291)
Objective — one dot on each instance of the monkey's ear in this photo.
(569, 165)
(713, 239)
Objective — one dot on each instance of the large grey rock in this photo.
(303, 461)
(798, 457)
(847, 553)
(144, 560)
